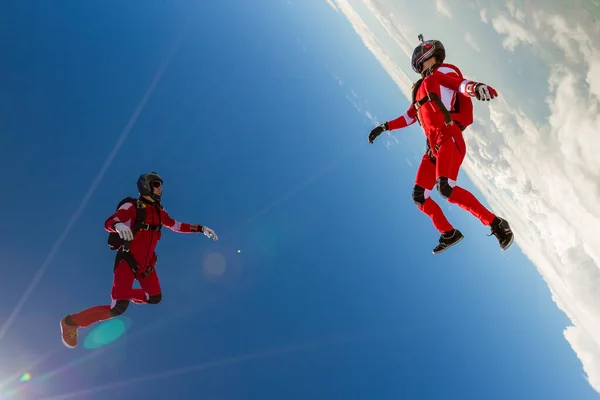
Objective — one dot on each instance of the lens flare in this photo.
(25, 377)
(107, 332)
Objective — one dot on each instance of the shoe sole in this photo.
(512, 239)
(63, 338)
(446, 248)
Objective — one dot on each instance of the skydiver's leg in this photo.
(121, 294)
(450, 156)
(151, 287)
(424, 183)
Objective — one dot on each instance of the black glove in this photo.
(378, 131)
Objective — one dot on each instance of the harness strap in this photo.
(436, 99)
(143, 226)
(428, 151)
(123, 254)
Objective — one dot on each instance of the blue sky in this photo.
(335, 293)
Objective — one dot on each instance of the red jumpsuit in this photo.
(445, 144)
(142, 247)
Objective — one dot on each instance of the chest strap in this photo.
(436, 99)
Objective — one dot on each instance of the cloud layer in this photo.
(553, 172)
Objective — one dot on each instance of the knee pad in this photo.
(444, 187)
(119, 307)
(155, 299)
(418, 195)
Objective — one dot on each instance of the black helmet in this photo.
(426, 50)
(144, 185)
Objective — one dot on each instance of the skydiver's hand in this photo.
(481, 91)
(124, 231)
(484, 92)
(378, 131)
(209, 233)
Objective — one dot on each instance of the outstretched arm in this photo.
(465, 86)
(176, 226)
(408, 118)
(185, 227)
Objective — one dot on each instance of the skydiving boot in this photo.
(447, 240)
(68, 330)
(501, 229)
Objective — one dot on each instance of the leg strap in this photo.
(130, 260)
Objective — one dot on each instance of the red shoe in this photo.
(69, 334)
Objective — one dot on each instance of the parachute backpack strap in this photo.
(158, 227)
(436, 99)
(415, 88)
(140, 216)
(140, 219)
(430, 97)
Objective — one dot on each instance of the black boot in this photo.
(448, 239)
(501, 229)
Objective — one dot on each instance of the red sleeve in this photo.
(408, 118)
(124, 214)
(452, 81)
(176, 226)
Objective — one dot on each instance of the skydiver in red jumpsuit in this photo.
(441, 103)
(135, 240)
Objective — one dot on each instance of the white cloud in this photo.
(515, 32)
(552, 182)
(543, 175)
(578, 47)
(333, 5)
(441, 7)
(353, 102)
(398, 33)
(374, 45)
(483, 15)
(371, 118)
(471, 41)
(516, 12)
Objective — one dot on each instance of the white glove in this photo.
(124, 231)
(210, 233)
(485, 92)
(481, 91)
